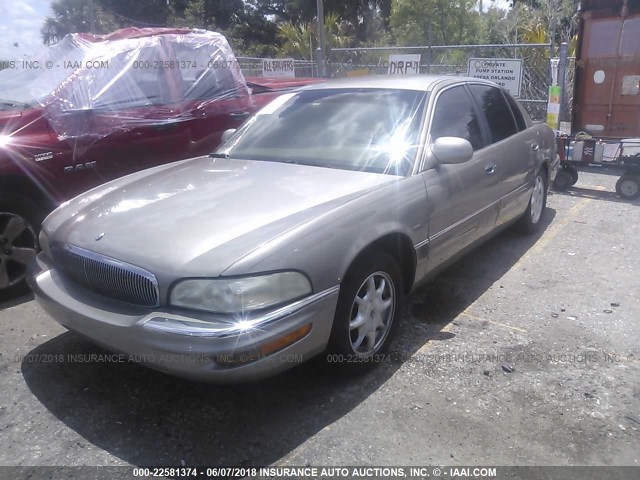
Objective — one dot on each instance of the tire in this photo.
(354, 349)
(20, 221)
(530, 222)
(628, 186)
(564, 179)
(574, 175)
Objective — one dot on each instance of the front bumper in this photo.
(184, 345)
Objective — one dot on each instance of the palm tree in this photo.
(70, 16)
(301, 40)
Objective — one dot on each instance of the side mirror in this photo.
(227, 134)
(452, 150)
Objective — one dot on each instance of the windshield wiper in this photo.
(219, 155)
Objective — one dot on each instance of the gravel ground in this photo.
(524, 353)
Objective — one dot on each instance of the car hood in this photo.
(198, 217)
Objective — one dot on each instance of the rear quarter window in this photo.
(518, 116)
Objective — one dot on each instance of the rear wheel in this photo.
(628, 186)
(564, 179)
(19, 226)
(369, 305)
(530, 221)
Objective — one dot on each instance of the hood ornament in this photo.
(99, 237)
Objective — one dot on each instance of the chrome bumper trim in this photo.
(181, 325)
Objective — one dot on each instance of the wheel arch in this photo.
(22, 186)
(400, 247)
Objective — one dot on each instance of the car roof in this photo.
(134, 32)
(401, 82)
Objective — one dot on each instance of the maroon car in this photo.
(96, 107)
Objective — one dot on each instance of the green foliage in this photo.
(288, 27)
(452, 22)
(74, 16)
(301, 40)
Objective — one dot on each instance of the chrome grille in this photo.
(107, 276)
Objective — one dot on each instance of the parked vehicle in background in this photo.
(302, 233)
(93, 108)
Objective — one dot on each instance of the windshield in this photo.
(371, 130)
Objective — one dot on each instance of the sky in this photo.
(21, 20)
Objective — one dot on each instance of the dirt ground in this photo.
(525, 352)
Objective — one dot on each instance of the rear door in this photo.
(512, 148)
(125, 117)
(463, 197)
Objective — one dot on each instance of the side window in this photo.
(517, 112)
(206, 75)
(121, 85)
(455, 116)
(496, 111)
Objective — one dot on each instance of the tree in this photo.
(301, 40)
(70, 16)
(451, 22)
(247, 28)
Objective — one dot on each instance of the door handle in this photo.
(239, 115)
(535, 146)
(490, 169)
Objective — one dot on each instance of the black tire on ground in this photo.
(574, 175)
(564, 179)
(32, 214)
(530, 222)
(628, 186)
(341, 353)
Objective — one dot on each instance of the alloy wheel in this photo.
(18, 246)
(537, 200)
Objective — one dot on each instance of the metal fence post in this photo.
(320, 49)
(562, 75)
(430, 52)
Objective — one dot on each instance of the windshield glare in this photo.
(371, 130)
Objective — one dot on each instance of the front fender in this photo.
(325, 246)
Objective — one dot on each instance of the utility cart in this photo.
(613, 157)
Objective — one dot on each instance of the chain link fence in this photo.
(567, 99)
(454, 60)
(440, 59)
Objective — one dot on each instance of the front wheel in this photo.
(628, 186)
(19, 223)
(369, 305)
(530, 221)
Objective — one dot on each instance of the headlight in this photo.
(234, 295)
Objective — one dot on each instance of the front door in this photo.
(463, 198)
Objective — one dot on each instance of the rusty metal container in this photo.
(607, 85)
